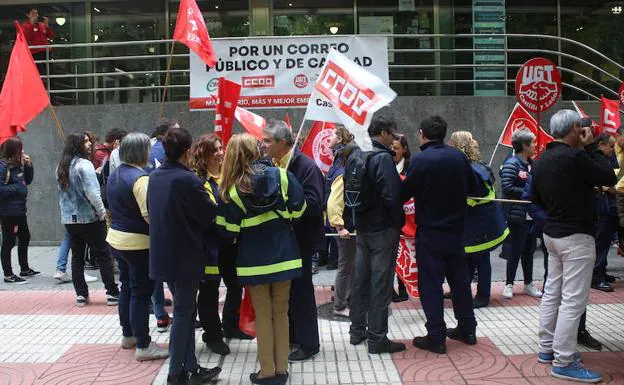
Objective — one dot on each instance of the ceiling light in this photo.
(290, 4)
(216, 7)
(95, 37)
(333, 30)
(151, 49)
(616, 10)
(96, 10)
(60, 21)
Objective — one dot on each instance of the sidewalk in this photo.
(46, 339)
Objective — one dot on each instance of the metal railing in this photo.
(417, 68)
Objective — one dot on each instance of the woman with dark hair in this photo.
(402, 157)
(82, 213)
(16, 172)
(207, 158)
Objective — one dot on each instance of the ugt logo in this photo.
(538, 85)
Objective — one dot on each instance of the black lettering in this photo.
(304, 49)
(291, 49)
(253, 51)
(263, 64)
(233, 51)
(277, 63)
(313, 62)
(300, 62)
(343, 48)
(314, 49)
(291, 63)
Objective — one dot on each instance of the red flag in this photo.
(609, 115)
(596, 129)
(287, 120)
(229, 93)
(23, 94)
(191, 30)
(253, 124)
(521, 119)
(316, 145)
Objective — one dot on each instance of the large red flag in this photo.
(253, 124)
(23, 94)
(596, 129)
(609, 115)
(316, 145)
(521, 119)
(191, 30)
(229, 93)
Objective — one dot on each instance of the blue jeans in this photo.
(63, 255)
(134, 297)
(523, 238)
(182, 338)
(158, 300)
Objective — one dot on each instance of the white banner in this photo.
(347, 93)
(280, 72)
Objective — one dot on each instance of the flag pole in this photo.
(501, 135)
(59, 129)
(292, 151)
(164, 94)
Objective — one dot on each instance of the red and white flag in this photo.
(191, 30)
(596, 129)
(227, 101)
(609, 115)
(287, 121)
(316, 145)
(521, 119)
(23, 94)
(348, 94)
(253, 124)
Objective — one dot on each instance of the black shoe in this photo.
(168, 302)
(29, 273)
(332, 266)
(181, 379)
(424, 344)
(302, 354)
(203, 375)
(356, 340)
(480, 302)
(447, 295)
(609, 278)
(602, 286)
(237, 335)
(585, 339)
(385, 346)
(456, 334)
(220, 348)
(277, 379)
(15, 279)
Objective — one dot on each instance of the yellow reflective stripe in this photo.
(299, 213)
(491, 195)
(262, 218)
(228, 226)
(211, 270)
(487, 245)
(284, 183)
(269, 269)
(236, 199)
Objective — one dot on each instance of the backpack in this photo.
(358, 193)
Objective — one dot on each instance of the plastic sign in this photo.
(538, 85)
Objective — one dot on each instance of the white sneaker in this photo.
(128, 342)
(61, 276)
(82, 301)
(152, 352)
(89, 278)
(342, 313)
(508, 292)
(531, 290)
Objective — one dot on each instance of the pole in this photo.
(164, 94)
(59, 129)
(501, 135)
(292, 151)
(500, 200)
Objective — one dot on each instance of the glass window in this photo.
(313, 17)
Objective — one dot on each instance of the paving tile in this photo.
(21, 374)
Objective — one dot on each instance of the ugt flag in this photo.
(191, 30)
(521, 119)
(23, 94)
(316, 145)
(348, 94)
(609, 115)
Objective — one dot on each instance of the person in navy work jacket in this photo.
(440, 180)
(180, 212)
(278, 142)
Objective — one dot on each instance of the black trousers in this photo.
(14, 227)
(94, 235)
(302, 314)
(208, 299)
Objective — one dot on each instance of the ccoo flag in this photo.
(609, 115)
(227, 101)
(23, 94)
(348, 94)
(191, 30)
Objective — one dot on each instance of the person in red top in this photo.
(103, 150)
(37, 32)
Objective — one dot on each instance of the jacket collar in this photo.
(432, 144)
(174, 164)
(379, 146)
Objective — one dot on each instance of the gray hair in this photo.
(279, 130)
(562, 123)
(134, 148)
(521, 137)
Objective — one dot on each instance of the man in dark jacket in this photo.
(564, 181)
(378, 222)
(278, 144)
(440, 179)
(180, 211)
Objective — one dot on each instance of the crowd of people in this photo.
(188, 213)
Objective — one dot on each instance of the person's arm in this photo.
(297, 200)
(313, 182)
(139, 190)
(409, 184)
(509, 176)
(29, 170)
(471, 177)
(335, 203)
(388, 183)
(198, 203)
(91, 186)
(8, 190)
(535, 209)
(229, 217)
(594, 168)
(49, 31)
